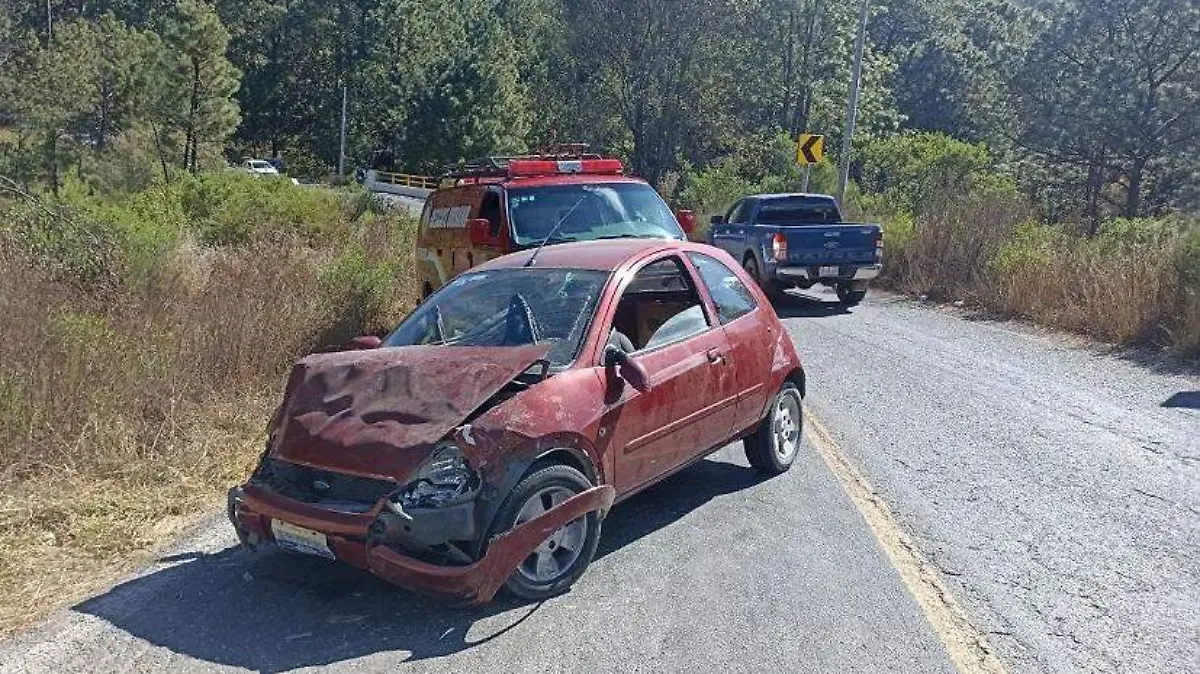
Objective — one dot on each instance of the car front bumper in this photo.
(251, 509)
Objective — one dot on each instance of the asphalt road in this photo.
(1055, 488)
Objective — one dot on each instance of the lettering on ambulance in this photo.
(449, 217)
(432, 273)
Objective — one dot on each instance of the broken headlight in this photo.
(445, 479)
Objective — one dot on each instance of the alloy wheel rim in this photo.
(555, 556)
(787, 425)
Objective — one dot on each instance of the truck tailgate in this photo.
(810, 245)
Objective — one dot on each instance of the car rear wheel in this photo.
(563, 557)
(774, 444)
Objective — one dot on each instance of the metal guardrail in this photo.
(408, 180)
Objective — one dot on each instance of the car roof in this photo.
(607, 255)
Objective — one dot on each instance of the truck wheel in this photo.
(773, 446)
(563, 557)
(848, 296)
(769, 287)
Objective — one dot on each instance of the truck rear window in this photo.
(589, 211)
(798, 211)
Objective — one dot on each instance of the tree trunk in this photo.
(52, 151)
(789, 70)
(1095, 178)
(800, 121)
(190, 144)
(1133, 195)
(162, 156)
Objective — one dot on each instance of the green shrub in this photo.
(764, 165)
(69, 245)
(357, 293)
(1033, 247)
(920, 171)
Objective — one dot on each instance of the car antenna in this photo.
(553, 231)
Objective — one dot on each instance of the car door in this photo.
(750, 336)
(692, 399)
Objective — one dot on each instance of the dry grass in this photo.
(127, 409)
(1138, 282)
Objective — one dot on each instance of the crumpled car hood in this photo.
(378, 413)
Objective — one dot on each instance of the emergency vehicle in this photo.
(499, 205)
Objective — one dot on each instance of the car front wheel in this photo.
(774, 444)
(562, 558)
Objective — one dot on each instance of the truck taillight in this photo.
(879, 245)
(779, 247)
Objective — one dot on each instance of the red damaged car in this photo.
(481, 444)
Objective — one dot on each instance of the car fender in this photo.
(512, 456)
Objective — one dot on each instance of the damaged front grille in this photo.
(335, 491)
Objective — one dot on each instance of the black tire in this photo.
(764, 448)
(551, 479)
(750, 264)
(848, 295)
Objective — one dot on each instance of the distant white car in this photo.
(258, 167)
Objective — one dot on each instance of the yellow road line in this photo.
(968, 648)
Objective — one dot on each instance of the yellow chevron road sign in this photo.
(810, 148)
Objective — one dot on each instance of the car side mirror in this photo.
(627, 368)
(687, 221)
(480, 232)
(717, 219)
(363, 343)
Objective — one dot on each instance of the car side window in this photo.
(740, 211)
(733, 211)
(660, 306)
(732, 297)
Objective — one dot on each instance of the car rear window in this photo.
(798, 211)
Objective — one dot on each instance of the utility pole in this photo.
(49, 23)
(852, 106)
(342, 142)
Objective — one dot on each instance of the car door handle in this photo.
(715, 356)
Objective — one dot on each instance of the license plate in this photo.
(298, 539)
(828, 271)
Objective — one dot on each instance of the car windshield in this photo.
(590, 211)
(798, 211)
(508, 307)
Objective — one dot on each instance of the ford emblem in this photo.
(832, 244)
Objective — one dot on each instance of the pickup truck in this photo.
(798, 240)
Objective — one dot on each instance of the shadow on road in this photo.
(273, 612)
(1186, 399)
(795, 305)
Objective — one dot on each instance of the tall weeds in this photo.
(138, 368)
(1136, 282)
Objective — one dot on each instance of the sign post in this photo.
(810, 148)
